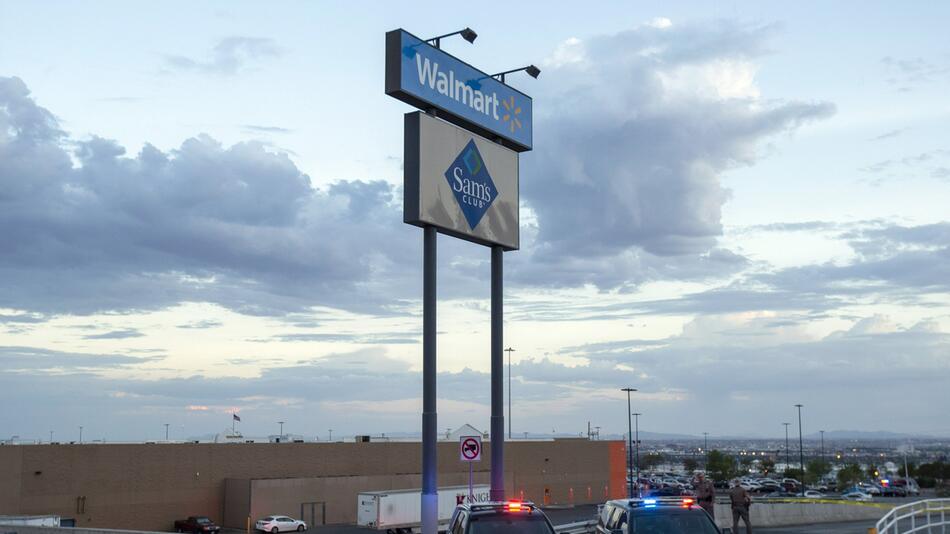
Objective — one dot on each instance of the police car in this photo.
(669, 515)
(512, 517)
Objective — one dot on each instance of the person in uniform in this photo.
(706, 495)
(740, 500)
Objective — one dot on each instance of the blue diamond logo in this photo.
(472, 185)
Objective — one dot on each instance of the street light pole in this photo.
(706, 452)
(636, 422)
(786, 445)
(801, 448)
(629, 445)
(822, 432)
(281, 423)
(80, 433)
(509, 350)
(330, 430)
(166, 431)
(51, 436)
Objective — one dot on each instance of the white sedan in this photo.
(280, 523)
(812, 494)
(856, 496)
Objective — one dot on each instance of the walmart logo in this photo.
(472, 185)
(511, 113)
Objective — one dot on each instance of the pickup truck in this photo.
(197, 524)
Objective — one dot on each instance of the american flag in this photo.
(235, 416)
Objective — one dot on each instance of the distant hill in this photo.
(863, 435)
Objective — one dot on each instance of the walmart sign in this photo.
(426, 77)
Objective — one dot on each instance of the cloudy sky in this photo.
(733, 208)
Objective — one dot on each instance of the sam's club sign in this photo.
(426, 77)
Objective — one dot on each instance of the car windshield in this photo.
(672, 524)
(509, 524)
(203, 520)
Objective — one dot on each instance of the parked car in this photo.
(812, 494)
(280, 523)
(196, 524)
(666, 492)
(857, 496)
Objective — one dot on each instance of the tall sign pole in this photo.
(460, 170)
(430, 482)
(497, 492)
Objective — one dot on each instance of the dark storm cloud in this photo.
(626, 173)
(238, 226)
(228, 57)
(894, 260)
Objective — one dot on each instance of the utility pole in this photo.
(281, 423)
(330, 431)
(786, 446)
(629, 445)
(80, 433)
(166, 431)
(801, 447)
(706, 452)
(636, 422)
(822, 433)
(509, 350)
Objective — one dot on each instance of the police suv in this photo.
(660, 515)
(513, 517)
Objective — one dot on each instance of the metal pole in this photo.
(706, 452)
(166, 431)
(509, 350)
(822, 432)
(281, 423)
(497, 436)
(801, 448)
(636, 422)
(786, 446)
(80, 434)
(629, 446)
(430, 484)
(471, 493)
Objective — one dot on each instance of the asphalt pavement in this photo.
(859, 527)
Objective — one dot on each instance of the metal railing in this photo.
(929, 515)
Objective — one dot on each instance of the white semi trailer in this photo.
(399, 511)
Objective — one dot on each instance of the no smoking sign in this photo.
(470, 448)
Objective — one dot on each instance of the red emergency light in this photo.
(514, 506)
(688, 502)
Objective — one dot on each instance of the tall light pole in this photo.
(706, 452)
(281, 423)
(786, 445)
(80, 433)
(636, 423)
(509, 350)
(801, 448)
(629, 445)
(166, 431)
(330, 431)
(51, 436)
(822, 433)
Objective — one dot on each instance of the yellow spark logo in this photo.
(511, 114)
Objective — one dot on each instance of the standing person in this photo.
(706, 495)
(740, 500)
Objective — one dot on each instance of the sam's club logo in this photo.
(472, 185)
